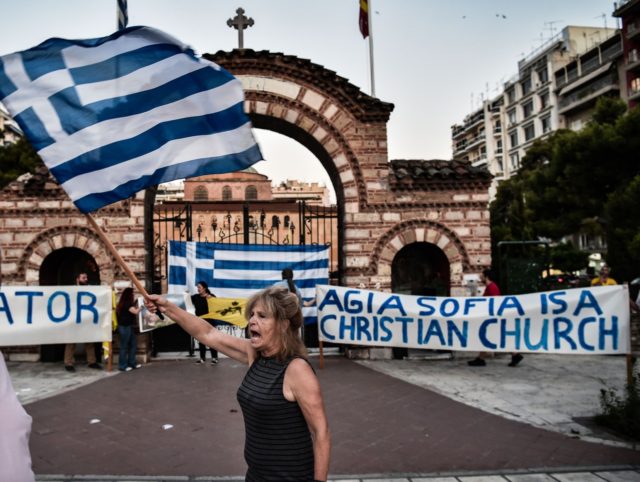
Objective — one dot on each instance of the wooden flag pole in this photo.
(134, 279)
(112, 249)
(321, 355)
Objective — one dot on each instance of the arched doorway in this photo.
(61, 267)
(421, 269)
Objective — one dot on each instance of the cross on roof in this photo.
(240, 22)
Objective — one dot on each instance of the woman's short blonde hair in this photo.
(282, 305)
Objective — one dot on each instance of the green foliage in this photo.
(579, 182)
(17, 159)
(621, 413)
(565, 257)
(623, 229)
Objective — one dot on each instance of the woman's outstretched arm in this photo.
(234, 347)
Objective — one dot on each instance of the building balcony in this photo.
(632, 32)
(482, 161)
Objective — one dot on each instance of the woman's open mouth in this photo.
(255, 335)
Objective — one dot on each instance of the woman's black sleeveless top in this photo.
(278, 444)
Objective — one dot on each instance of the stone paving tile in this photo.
(434, 479)
(530, 478)
(483, 478)
(576, 477)
(620, 476)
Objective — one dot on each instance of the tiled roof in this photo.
(416, 173)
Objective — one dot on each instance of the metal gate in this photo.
(254, 222)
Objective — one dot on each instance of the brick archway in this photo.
(382, 203)
(410, 232)
(65, 237)
(341, 125)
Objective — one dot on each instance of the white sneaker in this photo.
(138, 365)
(128, 369)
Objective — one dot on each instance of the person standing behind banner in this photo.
(491, 289)
(127, 312)
(82, 279)
(201, 304)
(603, 279)
(286, 429)
(287, 282)
(15, 427)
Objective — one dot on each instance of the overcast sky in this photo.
(434, 59)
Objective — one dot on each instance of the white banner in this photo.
(576, 321)
(39, 315)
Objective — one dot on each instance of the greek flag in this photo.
(114, 115)
(239, 270)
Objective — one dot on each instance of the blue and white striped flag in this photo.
(114, 115)
(239, 270)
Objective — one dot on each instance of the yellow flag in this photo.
(230, 310)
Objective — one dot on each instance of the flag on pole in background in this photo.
(123, 14)
(239, 270)
(364, 18)
(114, 115)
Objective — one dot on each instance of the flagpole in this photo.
(121, 21)
(373, 82)
(121, 262)
(114, 252)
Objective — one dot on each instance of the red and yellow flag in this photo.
(364, 18)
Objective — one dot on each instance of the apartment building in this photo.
(629, 12)
(499, 133)
(579, 84)
(9, 130)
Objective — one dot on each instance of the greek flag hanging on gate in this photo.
(239, 270)
(114, 115)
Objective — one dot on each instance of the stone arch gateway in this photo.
(346, 129)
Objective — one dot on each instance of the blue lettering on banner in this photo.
(89, 306)
(5, 308)
(455, 306)
(581, 337)
(363, 328)
(433, 330)
(612, 332)
(471, 303)
(66, 306)
(587, 300)
(556, 299)
(405, 333)
(392, 303)
(560, 333)
(423, 302)
(325, 333)
(544, 335)
(331, 298)
(354, 306)
(29, 295)
(515, 333)
(509, 303)
(462, 336)
(483, 332)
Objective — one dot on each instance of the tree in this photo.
(17, 159)
(567, 180)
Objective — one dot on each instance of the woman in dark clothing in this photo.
(286, 429)
(202, 308)
(126, 313)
